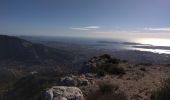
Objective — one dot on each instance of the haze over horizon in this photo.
(129, 19)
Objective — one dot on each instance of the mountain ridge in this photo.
(15, 49)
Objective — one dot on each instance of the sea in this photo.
(154, 45)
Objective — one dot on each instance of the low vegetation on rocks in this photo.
(104, 64)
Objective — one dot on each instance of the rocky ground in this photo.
(138, 82)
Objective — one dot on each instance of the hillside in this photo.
(103, 78)
(16, 49)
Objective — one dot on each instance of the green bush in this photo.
(162, 93)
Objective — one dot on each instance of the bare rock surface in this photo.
(74, 81)
(63, 93)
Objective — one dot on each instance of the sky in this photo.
(86, 18)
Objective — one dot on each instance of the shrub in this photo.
(146, 64)
(107, 91)
(107, 87)
(105, 56)
(29, 87)
(116, 70)
(97, 95)
(162, 93)
(102, 65)
(100, 72)
(167, 65)
(143, 69)
(114, 61)
(109, 69)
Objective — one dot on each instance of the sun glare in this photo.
(155, 41)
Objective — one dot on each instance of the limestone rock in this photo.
(63, 93)
(74, 81)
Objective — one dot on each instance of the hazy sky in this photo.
(86, 18)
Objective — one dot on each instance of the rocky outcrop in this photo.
(74, 81)
(94, 63)
(63, 93)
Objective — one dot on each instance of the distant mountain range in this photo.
(16, 49)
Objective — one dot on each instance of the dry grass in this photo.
(162, 93)
(107, 91)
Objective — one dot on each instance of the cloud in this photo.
(92, 27)
(158, 29)
(111, 32)
(87, 28)
(76, 28)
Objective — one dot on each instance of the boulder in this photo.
(63, 93)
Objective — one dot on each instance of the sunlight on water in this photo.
(160, 51)
(154, 41)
